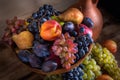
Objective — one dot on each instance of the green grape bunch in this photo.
(91, 69)
(106, 60)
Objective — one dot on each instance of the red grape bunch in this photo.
(65, 48)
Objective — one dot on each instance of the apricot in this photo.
(50, 30)
(111, 45)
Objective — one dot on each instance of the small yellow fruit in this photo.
(23, 40)
(72, 14)
(104, 77)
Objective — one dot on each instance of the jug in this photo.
(89, 9)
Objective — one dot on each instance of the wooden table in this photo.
(10, 67)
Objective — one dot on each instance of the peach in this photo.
(50, 30)
(110, 45)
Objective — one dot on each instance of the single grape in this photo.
(29, 20)
(42, 20)
(86, 49)
(68, 27)
(74, 33)
(35, 15)
(82, 29)
(46, 6)
(81, 53)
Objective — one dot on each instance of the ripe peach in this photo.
(110, 45)
(50, 30)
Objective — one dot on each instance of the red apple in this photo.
(86, 30)
(50, 30)
(110, 45)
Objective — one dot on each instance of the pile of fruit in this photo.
(50, 40)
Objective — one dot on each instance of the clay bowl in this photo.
(57, 71)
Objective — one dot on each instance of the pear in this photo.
(23, 40)
(72, 14)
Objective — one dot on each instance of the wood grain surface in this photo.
(10, 67)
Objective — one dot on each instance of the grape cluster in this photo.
(74, 74)
(14, 26)
(65, 48)
(44, 13)
(91, 69)
(106, 60)
(83, 42)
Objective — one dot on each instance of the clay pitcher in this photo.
(89, 9)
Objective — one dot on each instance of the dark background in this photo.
(111, 6)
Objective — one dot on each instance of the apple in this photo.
(111, 45)
(50, 30)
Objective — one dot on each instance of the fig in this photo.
(111, 45)
(73, 15)
(23, 40)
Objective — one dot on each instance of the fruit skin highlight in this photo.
(50, 30)
(110, 45)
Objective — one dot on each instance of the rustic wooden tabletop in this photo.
(10, 67)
